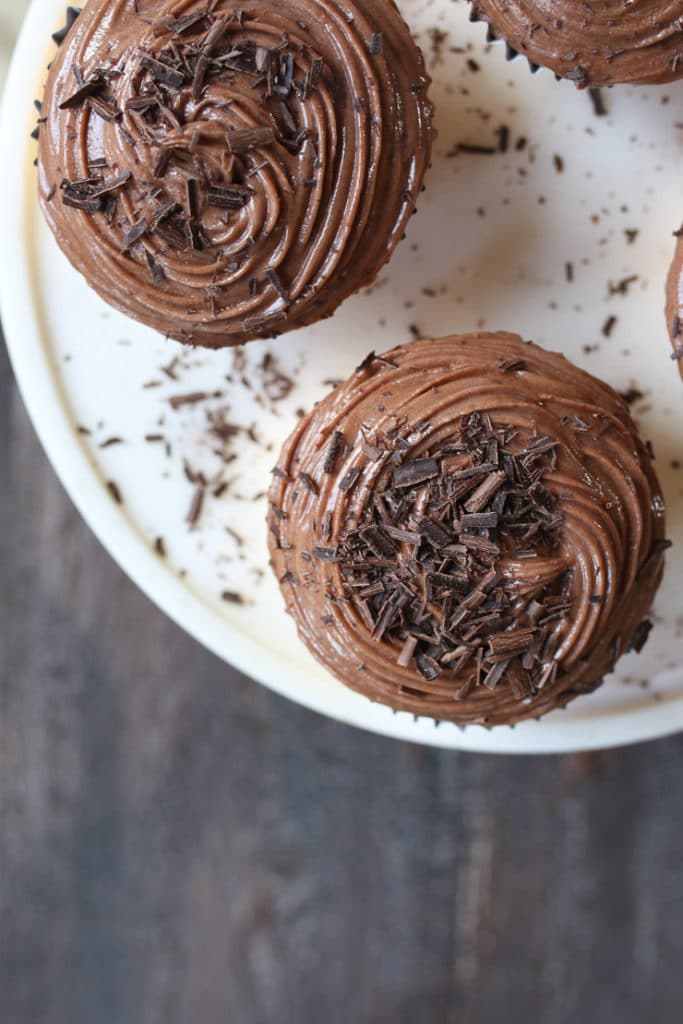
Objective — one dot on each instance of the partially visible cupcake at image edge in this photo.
(234, 170)
(592, 44)
(674, 302)
(468, 529)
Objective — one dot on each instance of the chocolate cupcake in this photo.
(674, 303)
(601, 43)
(468, 529)
(227, 171)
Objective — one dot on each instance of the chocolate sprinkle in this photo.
(115, 492)
(598, 101)
(196, 505)
(609, 326)
(622, 287)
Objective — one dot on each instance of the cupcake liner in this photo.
(510, 52)
(58, 38)
(647, 52)
(71, 15)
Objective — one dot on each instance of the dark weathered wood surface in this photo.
(180, 846)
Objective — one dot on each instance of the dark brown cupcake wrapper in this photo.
(510, 52)
(57, 38)
(71, 15)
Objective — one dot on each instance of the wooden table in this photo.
(180, 846)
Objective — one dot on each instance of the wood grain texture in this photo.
(179, 845)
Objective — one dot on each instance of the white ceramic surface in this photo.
(489, 248)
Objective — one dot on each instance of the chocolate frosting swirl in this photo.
(223, 171)
(469, 528)
(593, 44)
(674, 305)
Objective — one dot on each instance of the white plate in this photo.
(488, 248)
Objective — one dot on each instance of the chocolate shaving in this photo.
(108, 187)
(274, 279)
(336, 447)
(325, 554)
(513, 642)
(518, 680)
(473, 150)
(407, 651)
(578, 75)
(177, 401)
(598, 101)
(479, 520)
(103, 108)
(349, 478)
(162, 73)
(432, 532)
(609, 325)
(416, 472)
(485, 491)
(375, 43)
(378, 542)
(115, 492)
(495, 674)
(155, 269)
(263, 324)
(622, 287)
(182, 25)
(427, 667)
(231, 197)
(245, 139)
(512, 365)
(134, 234)
(309, 482)
(86, 90)
(162, 213)
(79, 195)
(196, 505)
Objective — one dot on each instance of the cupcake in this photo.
(223, 171)
(674, 303)
(600, 43)
(468, 529)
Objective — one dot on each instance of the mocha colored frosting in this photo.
(577, 575)
(237, 174)
(596, 43)
(674, 305)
